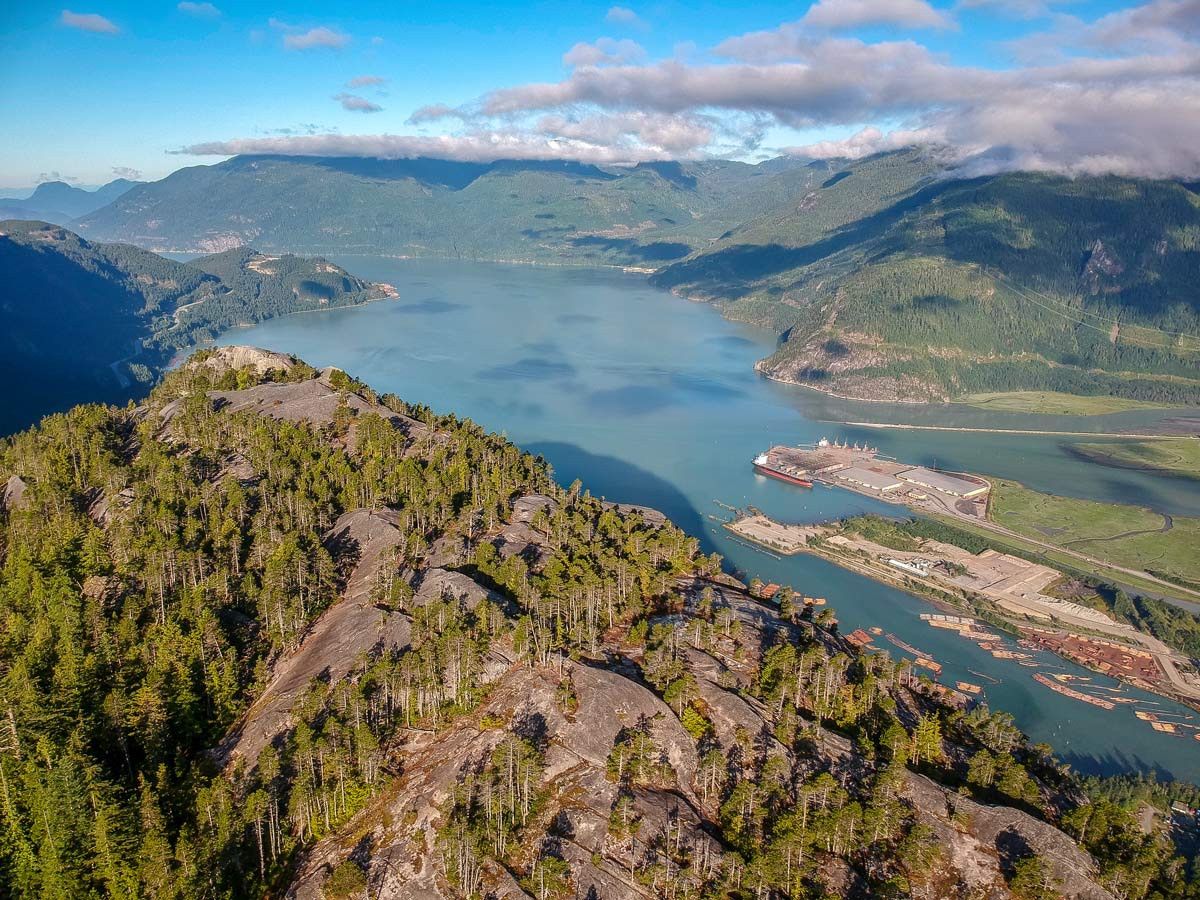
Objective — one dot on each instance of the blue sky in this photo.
(100, 88)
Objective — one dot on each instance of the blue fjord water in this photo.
(653, 400)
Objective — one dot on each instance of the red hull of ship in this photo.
(782, 476)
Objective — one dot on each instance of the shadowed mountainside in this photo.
(85, 321)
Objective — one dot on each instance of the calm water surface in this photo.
(649, 399)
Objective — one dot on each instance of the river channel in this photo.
(653, 400)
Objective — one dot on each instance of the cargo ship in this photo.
(764, 466)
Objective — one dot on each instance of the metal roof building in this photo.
(940, 481)
(876, 481)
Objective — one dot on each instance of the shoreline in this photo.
(1134, 435)
(407, 257)
(761, 370)
(940, 404)
(945, 602)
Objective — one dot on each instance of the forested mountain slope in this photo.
(1011, 282)
(82, 320)
(887, 277)
(273, 635)
(553, 211)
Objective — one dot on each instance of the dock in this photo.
(863, 470)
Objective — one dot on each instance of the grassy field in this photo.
(1128, 536)
(1169, 456)
(1054, 403)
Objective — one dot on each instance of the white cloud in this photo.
(316, 37)
(57, 176)
(127, 173)
(663, 136)
(484, 146)
(622, 15)
(354, 103)
(867, 142)
(296, 38)
(1126, 100)
(606, 51)
(366, 81)
(92, 22)
(200, 10)
(1016, 9)
(833, 15)
(434, 112)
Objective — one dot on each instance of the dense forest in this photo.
(545, 210)
(550, 695)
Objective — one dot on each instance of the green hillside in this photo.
(93, 319)
(643, 216)
(949, 288)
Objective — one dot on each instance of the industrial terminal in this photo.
(864, 470)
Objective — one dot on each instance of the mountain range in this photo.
(887, 278)
(85, 320)
(59, 202)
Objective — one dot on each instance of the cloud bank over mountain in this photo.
(1119, 94)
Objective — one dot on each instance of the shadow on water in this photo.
(730, 340)
(622, 482)
(705, 387)
(529, 369)
(1112, 764)
(630, 400)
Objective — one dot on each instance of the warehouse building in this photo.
(876, 481)
(953, 485)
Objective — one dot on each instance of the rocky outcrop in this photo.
(225, 359)
(581, 796)
(312, 401)
(651, 517)
(1101, 269)
(368, 535)
(443, 584)
(982, 842)
(14, 493)
(338, 639)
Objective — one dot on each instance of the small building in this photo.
(768, 591)
(954, 485)
(915, 566)
(875, 481)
